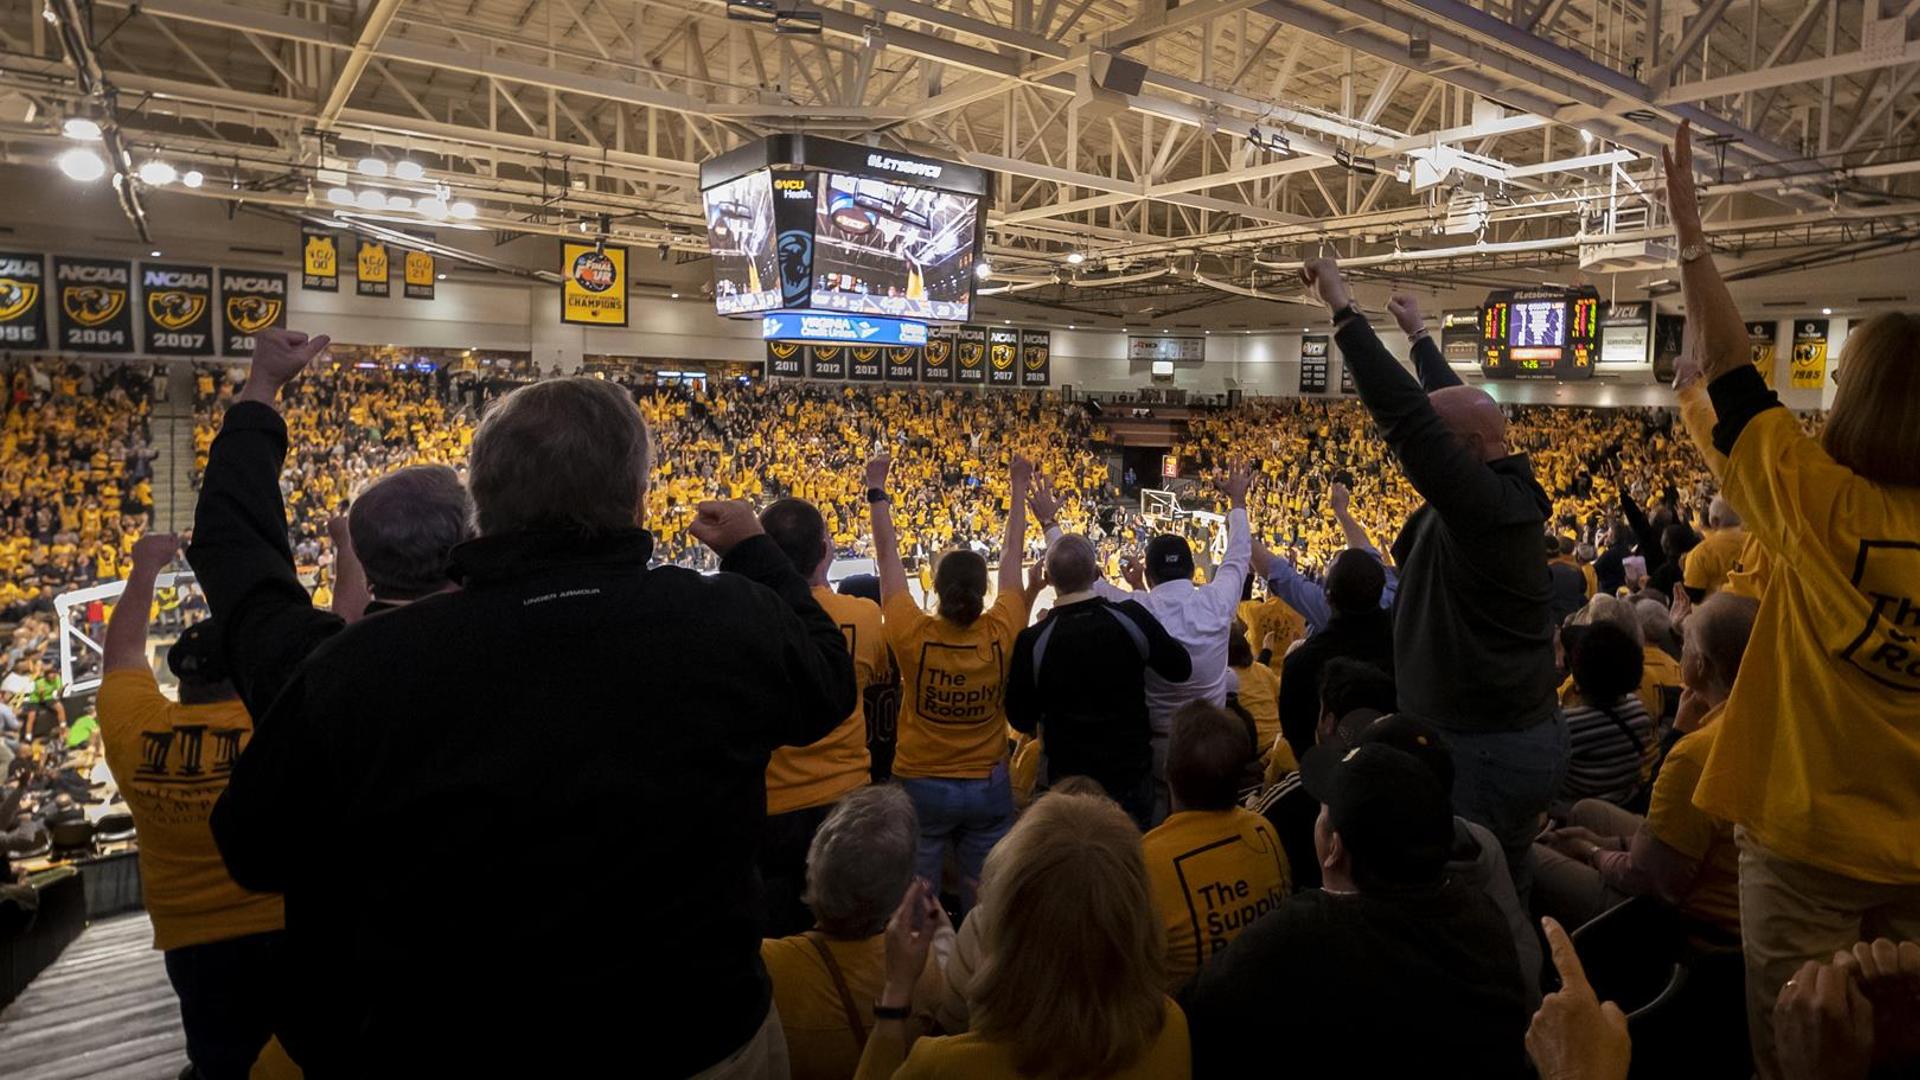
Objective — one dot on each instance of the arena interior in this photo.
(960, 538)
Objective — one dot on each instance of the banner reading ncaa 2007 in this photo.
(95, 309)
(250, 301)
(595, 290)
(23, 301)
(178, 301)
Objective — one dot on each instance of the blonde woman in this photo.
(1819, 748)
(1071, 984)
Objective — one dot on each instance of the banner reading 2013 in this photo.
(250, 301)
(594, 292)
(96, 310)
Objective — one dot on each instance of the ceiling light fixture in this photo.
(1076, 258)
(340, 196)
(157, 173)
(154, 254)
(431, 207)
(465, 211)
(82, 165)
(399, 202)
(193, 178)
(1826, 311)
(371, 200)
(372, 166)
(405, 169)
(81, 128)
(983, 269)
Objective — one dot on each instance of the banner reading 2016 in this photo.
(250, 301)
(971, 355)
(23, 301)
(96, 310)
(178, 301)
(594, 292)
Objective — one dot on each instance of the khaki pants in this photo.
(764, 1057)
(1791, 913)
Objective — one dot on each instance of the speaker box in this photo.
(1116, 73)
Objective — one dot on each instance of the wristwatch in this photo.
(878, 495)
(1692, 252)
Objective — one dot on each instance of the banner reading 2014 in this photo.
(594, 292)
(250, 301)
(96, 310)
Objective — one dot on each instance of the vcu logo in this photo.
(252, 314)
(92, 305)
(173, 309)
(17, 298)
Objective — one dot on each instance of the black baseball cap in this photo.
(198, 656)
(1406, 733)
(1388, 807)
(865, 586)
(1169, 558)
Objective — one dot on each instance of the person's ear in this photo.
(1336, 855)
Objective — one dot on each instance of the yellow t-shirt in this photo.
(974, 1057)
(803, 776)
(1276, 615)
(819, 1044)
(952, 681)
(171, 762)
(1821, 741)
(1716, 556)
(1677, 823)
(1213, 872)
(1260, 696)
(1748, 577)
(1660, 670)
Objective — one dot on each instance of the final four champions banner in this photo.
(23, 301)
(595, 290)
(178, 301)
(319, 260)
(250, 301)
(95, 314)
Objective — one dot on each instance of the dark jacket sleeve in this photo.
(274, 796)
(813, 650)
(1022, 699)
(1434, 371)
(241, 558)
(1299, 703)
(1168, 658)
(1650, 549)
(1442, 468)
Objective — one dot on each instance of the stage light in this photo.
(81, 128)
(340, 196)
(371, 200)
(372, 166)
(465, 211)
(432, 207)
(193, 178)
(157, 173)
(1076, 258)
(82, 165)
(408, 170)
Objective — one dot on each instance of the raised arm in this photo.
(1342, 500)
(1428, 363)
(350, 593)
(1020, 476)
(886, 543)
(125, 648)
(1231, 575)
(1711, 314)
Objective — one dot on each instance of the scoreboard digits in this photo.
(1540, 333)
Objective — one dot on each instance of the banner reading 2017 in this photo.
(96, 310)
(250, 301)
(594, 292)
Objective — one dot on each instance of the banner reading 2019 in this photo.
(595, 290)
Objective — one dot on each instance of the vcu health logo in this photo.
(594, 272)
(92, 305)
(17, 297)
(252, 314)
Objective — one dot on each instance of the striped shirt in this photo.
(1606, 762)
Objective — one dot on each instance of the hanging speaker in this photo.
(1116, 73)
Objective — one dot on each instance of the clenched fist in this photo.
(723, 524)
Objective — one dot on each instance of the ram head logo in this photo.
(92, 305)
(17, 298)
(252, 314)
(175, 310)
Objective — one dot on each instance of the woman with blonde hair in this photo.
(1819, 747)
(1075, 955)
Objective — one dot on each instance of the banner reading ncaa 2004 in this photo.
(595, 290)
(250, 301)
(95, 308)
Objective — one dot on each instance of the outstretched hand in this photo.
(723, 524)
(1236, 481)
(279, 356)
(1683, 196)
(1323, 277)
(1046, 504)
(1020, 474)
(1576, 1036)
(155, 550)
(1406, 311)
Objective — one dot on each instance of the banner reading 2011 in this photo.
(250, 301)
(95, 314)
(594, 292)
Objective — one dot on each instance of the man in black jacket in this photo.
(1078, 678)
(387, 792)
(1473, 632)
(1358, 630)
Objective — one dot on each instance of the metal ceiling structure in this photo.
(1424, 138)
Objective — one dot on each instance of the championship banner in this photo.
(864, 363)
(1036, 357)
(178, 301)
(250, 301)
(827, 361)
(970, 355)
(319, 260)
(23, 301)
(96, 309)
(595, 290)
(1313, 363)
(371, 270)
(1003, 357)
(1763, 345)
(903, 363)
(1809, 354)
(936, 362)
(416, 275)
(784, 360)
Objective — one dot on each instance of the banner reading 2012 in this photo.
(96, 310)
(250, 301)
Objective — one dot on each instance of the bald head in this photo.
(1469, 413)
(1072, 564)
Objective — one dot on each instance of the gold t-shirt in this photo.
(803, 776)
(1213, 873)
(1682, 826)
(820, 1046)
(952, 682)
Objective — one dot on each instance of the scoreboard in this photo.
(1540, 333)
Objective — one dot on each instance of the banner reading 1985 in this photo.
(23, 301)
(96, 310)
(250, 301)
(178, 302)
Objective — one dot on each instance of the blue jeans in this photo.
(1504, 780)
(968, 815)
(226, 991)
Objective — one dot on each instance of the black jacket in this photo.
(1088, 697)
(1367, 636)
(1473, 637)
(515, 824)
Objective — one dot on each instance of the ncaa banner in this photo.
(1763, 345)
(1808, 368)
(96, 304)
(250, 301)
(864, 363)
(416, 275)
(1003, 357)
(970, 356)
(594, 292)
(371, 270)
(784, 360)
(319, 260)
(936, 362)
(178, 301)
(23, 301)
(903, 363)
(827, 361)
(1036, 357)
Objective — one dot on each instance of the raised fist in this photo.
(1406, 312)
(877, 472)
(155, 550)
(722, 524)
(1323, 277)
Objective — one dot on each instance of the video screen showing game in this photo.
(1538, 324)
(746, 277)
(882, 248)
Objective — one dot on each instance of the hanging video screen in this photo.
(1538, 324)
(882, 248)
(746, 276)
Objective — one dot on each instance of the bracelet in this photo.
(891, 1012)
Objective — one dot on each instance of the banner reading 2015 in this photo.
(250, 301)
(594, 292)
(96, 310)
